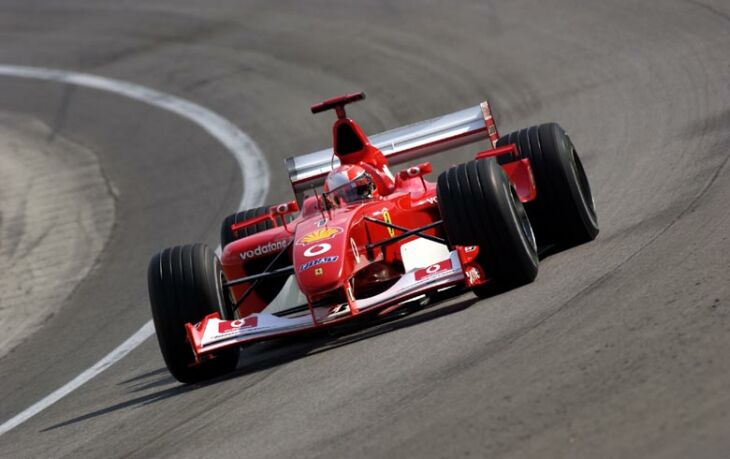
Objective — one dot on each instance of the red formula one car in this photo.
(372, 241)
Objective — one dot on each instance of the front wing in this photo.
(213, 334)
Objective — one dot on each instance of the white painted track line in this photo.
(114, 356)
(254, 170)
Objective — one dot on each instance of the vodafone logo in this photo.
(265, 249)
(238, 324)
(282, 208)
(433, 270)
(416, 171)
(317, 249)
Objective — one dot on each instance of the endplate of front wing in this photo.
(212, 333)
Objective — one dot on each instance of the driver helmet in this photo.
(350, 183)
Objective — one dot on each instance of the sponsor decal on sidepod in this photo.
(265, 249)
(317, 262)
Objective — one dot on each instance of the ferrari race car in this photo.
(371, 241)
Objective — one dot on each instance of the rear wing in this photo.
(402, 144)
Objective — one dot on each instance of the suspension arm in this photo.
(406, 233)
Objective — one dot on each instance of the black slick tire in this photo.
(563, 214)
(228, 236)
(185, 285)
(480, 207)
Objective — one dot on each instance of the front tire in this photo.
(185, 285)
(480, 207)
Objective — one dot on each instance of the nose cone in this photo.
(320, 256)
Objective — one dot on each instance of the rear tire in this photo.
(228, 236)
(563, 213)
(266, 289)
(480, 207)
(185, 285)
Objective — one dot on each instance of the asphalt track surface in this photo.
(619, 349)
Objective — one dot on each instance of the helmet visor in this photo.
(357, 190)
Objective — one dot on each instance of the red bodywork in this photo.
(328, 246)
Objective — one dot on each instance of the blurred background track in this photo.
(618, 349)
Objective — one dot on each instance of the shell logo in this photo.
(319, 235)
